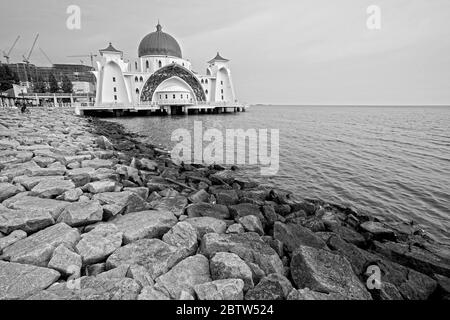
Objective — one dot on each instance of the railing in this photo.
(175, 102)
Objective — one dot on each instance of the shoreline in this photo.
(108, 187)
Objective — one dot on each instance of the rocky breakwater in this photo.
(89, 212)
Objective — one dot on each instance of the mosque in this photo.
(161, 77)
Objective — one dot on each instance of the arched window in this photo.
(137, 91)
(206, 81)
(206, 91)
(136, 79)
(167, 97)
(141, 79)
(147, 64)
(183, 64)
(202, 81)
(174, 97)
(160, 64)
(136, 65)
(181, 96)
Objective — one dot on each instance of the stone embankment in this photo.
(89, 212)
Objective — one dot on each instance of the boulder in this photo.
(225, 176)
(101, 186)
(248, 246)
(104, 143)
(294, 235)
(115, 203)
(246, 209)
(145, 224)
(97, 163)
(91, 288)
(235, 228)
(377, 230)
(96, 245)
(150, 293)
(26, 220)
(52, 188)
(12, 238)
(7, 190)
(184, 276)
(72, 195)
(184, 236)
(175, 204)
(27, 203)
(272, 287)
(199, 196)
(226, 289)
(307, 294)
(81, 213)
(81, 176)
(38, 248)
(66, 261)
(227, 197)
(252, 224)
(204, 225)
(156, 256)
(58, 170)
(19, 281)
(148, 165)
(323, 271)
(141, 275)
(225, 265)
(30, 182)
(217, 211)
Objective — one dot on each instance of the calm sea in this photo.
(393, 162)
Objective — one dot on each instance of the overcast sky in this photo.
(281, 52)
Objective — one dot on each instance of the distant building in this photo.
(80, 75)
(160, 75)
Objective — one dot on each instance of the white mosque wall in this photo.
(114, 89)
(150, 64)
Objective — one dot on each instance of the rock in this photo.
(199, 196)
(140, 191)
(58, 170)
(350, 235)
(377, 230)
(252, 224)
(204, 225)
(145, 224)
(116, 273)
(246, 209)
(227, 197)
(19, 169)
(184, 236)
(101, 186)
(82, 213)
(270, 214)
(414, 257)
(293, 236)
(95, 269)
(96, 245)
(124, 202)
(19, 281)
(175, 204)
(248, 246)
(323, 271)
(156, 256)
(11, 239)
(30, 182)
(226, 289)
(92, 288)
(26, 220)
(104, 143)
(43, 162)
(97, 163)
(71, 195)
(235, 228)
(52, 188)
(65, 261)
(27, 203)
(7, 190)
(81, 176)
(307, 294)
(148, 165)
(150, 293)
(225, 176)
(224, 265)
(141, 275)
(184, 276)
(104, 174)
(272, 287)
(38, 248)
(208, 210)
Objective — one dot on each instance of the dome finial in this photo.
(158, 26)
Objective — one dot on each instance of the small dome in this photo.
(159, 43)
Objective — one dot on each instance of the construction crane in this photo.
(46, 56)
(27, 58)
(90, 55)
(6, 55)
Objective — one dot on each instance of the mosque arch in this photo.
(169, 71)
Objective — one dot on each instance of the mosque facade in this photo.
(161, 76)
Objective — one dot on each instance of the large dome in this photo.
(159, 43)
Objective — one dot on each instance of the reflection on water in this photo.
(391, 161)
